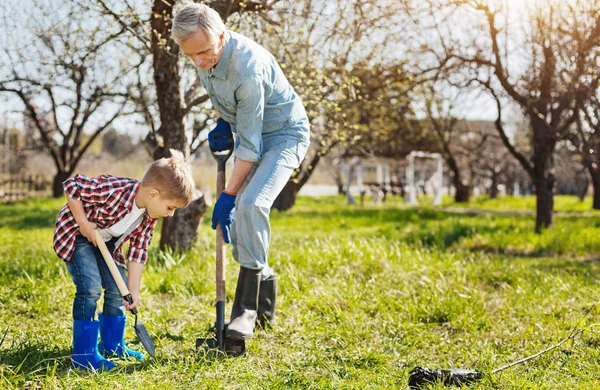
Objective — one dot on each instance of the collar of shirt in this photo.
(131, 198)
(220, 70)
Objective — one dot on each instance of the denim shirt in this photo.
(249, 90)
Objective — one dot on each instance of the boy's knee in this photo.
(92, 293)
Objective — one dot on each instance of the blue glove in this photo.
(223, 214)
(220, 138)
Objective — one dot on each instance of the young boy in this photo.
(123, 210)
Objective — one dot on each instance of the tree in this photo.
(586, 139)
(118, 145)
(322, 46)
(63, 71)
(555, 45)
(177, 94)
(453, 136)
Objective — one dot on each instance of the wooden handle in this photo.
(112, 266)
(220, 253)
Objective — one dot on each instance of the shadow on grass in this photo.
(170, 336)
(20, 219)
(585, 271)
(380, 215)
(35, 359)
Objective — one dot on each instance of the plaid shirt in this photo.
(106, 200)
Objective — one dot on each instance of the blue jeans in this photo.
(251, 229)
(90, 275)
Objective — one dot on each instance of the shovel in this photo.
(231, 347)
(140, 329)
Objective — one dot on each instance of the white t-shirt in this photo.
(127, 223)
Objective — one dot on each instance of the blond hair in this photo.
(172, 177)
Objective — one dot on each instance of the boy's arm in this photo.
(134, 276)
(85, 227)
(137, 254)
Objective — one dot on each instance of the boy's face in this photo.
(158, 206)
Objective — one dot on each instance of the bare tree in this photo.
(552, 46)
(452, 134)
(586, 139)
(176, 97)
(62, 69)
(321, 46)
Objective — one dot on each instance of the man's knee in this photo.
(250, 206)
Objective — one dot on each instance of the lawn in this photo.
(366, 294)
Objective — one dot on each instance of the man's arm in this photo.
(241, 170)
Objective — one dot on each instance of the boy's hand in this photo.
(135, 297)
(87, 230)
(134, 283)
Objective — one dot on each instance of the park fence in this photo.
(16, 187)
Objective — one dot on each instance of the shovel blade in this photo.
(232, 348)
(142, 334)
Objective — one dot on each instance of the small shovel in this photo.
(140, 329)
(231, 347)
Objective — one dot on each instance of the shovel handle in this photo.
(112, 266)
(221, 262)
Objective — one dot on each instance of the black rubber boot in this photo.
(245, 305)
(267, 301)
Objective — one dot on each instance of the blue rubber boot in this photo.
(85, 347)
(112, 337)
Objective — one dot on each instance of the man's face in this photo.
(157, 206)
(203, 50)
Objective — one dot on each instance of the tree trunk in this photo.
(595, 174)
(180, 232)
(543, 172)
(463, 192)
(287, 197)
(544, 187)
(494, 187)
(583, 190)
(340, 184)
(57, 186)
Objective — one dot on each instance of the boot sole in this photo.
(235, 335)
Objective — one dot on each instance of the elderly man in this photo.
(256, 102)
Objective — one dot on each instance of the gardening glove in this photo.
(220, 138)
(223, 214)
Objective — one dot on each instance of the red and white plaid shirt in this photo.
(106, 200)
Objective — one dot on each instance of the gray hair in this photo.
(193, 17)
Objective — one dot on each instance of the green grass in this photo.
(366, 293)
(562, 203)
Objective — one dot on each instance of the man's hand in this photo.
(223, 214)
(220, 138)
(87, 230)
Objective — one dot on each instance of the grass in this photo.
(562, 203)
(366, 294)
